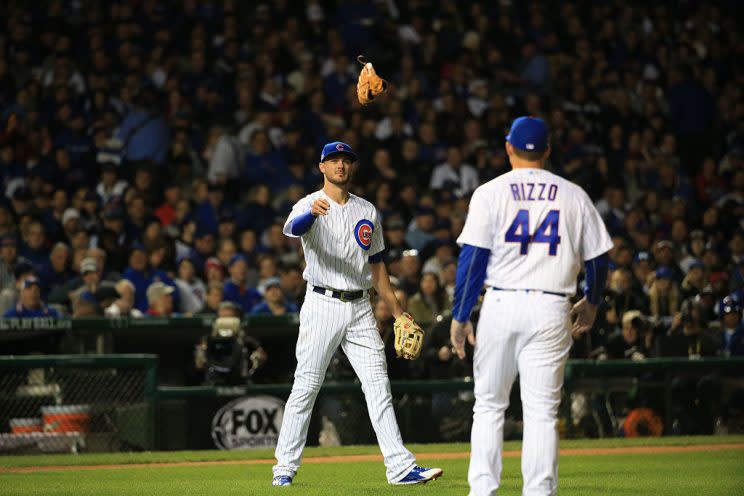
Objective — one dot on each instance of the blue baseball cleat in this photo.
(420, 475)
(282, 480)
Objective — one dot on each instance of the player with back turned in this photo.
(343, 245)
(526, 235)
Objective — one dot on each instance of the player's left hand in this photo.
(583, 314)
(459, 331)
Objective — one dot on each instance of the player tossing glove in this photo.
(369, 84)
(409, 337)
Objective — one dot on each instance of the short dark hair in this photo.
(529, 156)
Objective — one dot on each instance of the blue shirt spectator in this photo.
(29, 303)
(145, 137)
(236, 288)
(141, 276)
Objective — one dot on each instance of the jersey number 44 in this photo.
(546, 232)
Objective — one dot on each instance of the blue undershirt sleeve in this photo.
(302, 223)
(471, 272)
(596, 277)
(377, 257)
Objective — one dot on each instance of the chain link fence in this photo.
(64, 404)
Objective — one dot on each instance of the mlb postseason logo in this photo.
(248, 423)
(363, 233)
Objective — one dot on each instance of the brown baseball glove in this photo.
(370, 84)
(409, 337)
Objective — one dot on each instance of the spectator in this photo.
(160, 300)
(454, 175)
(430, 300)
(191, 289)
(110, 188)
(214, 271)
(142, 276)
(33, 248)
(687, 336)
(664, 296)
(91, 277)
(274, 301)
(236, 289)
(86, 305)
(694, 281)
(292, 284)
(215, 296)
(409, 272)
(224, 155)
(420, 231)
(634, 341)
(56, 272)
(622, 297)
(732, 335)
(8, 259)
(29, 304)
(124, 305)
(143, 133)
(166, 212)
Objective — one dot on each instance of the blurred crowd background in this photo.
(151, 150)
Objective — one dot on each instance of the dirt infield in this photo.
(630, 450)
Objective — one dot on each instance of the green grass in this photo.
(691, 473)
(214, 455)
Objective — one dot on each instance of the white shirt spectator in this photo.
(225, 160)
(464, 179)
(193, 295)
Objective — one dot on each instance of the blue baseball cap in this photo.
(529, 134)
(664, 273)
(335, 148)
(237, 258)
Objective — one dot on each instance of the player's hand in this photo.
(583, 314)
(459, 331)
(320, 207)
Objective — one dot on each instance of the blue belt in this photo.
(340, 295)
(532, 291)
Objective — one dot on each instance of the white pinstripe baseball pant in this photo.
(326, 323)
(526, 333)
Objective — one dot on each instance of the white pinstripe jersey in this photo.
(338, 245)
(539, 228)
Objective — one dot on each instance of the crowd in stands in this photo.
(151, 150)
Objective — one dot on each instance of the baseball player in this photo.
(526, 234)
(343, 245)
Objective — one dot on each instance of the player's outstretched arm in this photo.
(381, 283)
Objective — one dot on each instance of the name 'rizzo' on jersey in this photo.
(533, 191)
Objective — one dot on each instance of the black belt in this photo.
(532, 291)
(340, 295)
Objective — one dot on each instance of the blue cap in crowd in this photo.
(529, 134)
(137, 245)
(335, 148)
(664, 273)
(697, 264)
(730, 305)
(185, 257)
(237, 258)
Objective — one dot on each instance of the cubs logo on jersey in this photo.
(363, 233)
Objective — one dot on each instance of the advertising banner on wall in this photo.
(249, 422)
